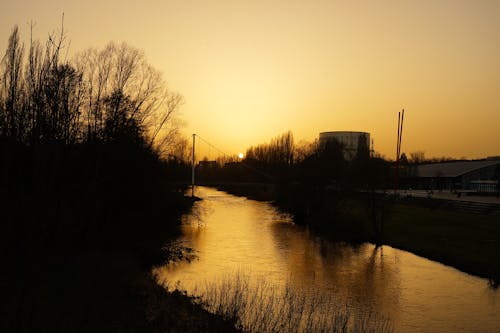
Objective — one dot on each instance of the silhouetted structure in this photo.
(478, 176)
(348, 139)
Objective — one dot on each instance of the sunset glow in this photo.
(250, 165)
(250, 70)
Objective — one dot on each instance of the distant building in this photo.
(480, 176)
(207, 164)
(350, 140)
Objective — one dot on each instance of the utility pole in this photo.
(192, 168)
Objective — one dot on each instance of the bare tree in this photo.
(123, 91)
(11, 89)
(280, 150)
(305, 149)
(179, 149)
(100, 95)
(417, 157)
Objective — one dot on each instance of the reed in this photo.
(258, 305)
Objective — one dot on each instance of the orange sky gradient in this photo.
(250, 70)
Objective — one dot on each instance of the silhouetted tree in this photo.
(97, 124)
(227, 159)
(179, 149)
(359, 169)
(123, 90)
(363, 150)
(275, 158)
(332, 161)
(11, 91)
(417, 157)
(305, 149)
(280, 151)
(403, 160)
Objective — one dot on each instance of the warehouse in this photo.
(479, 176)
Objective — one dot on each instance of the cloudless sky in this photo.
(250, 70)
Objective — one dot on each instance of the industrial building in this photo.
(348, 139)
(478, 176)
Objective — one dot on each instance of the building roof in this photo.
(329, 133)
(451, 169)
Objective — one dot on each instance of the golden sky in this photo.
(250, 70)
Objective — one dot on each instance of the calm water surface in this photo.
(236, 236)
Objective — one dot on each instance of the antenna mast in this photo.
(401, 117)
(192, 167)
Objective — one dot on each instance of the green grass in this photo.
(469, 242)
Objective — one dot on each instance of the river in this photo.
(249, 252)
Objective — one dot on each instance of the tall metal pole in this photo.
(401, 131)
(397, 156)
(192, 168)
(401, 117)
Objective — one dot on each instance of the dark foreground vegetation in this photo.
(87, 195)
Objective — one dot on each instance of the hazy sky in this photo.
(250, 70)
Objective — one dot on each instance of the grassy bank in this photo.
(466, 241)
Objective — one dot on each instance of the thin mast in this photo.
(192, 167)
(401, 117)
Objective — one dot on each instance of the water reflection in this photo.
(232, 235)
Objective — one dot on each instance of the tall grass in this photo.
(257, 305)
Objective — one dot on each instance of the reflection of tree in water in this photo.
(193, 224)
(358, 275)
(197, 215)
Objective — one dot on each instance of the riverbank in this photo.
(469, 242)
(95, 292)
(466, 241)
(82, 227)
(105, 286)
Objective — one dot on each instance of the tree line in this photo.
(100, 95)
(281, 160)
(83, 140)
